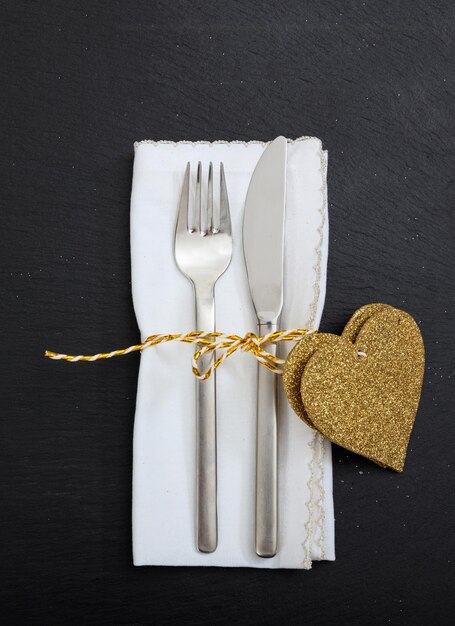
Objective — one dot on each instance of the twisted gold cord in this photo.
(208, 343)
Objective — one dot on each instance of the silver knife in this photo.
(263, 245)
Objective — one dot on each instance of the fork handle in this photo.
(206, 481)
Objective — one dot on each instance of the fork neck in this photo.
(205, 307)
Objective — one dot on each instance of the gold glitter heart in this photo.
(352, 328)
(364, 395)
(300, 354)
(295, 365)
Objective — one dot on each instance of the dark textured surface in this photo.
(81, 82)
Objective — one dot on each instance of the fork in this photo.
(203, 251)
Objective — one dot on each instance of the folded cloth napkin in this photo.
(164, 429)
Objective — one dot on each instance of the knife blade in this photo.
(263, 245)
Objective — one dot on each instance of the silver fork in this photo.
(203, 251)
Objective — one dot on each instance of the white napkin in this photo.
(164, 429)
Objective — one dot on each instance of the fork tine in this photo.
(198, 202)
(225, 216)
(209, 224)
(182, 217)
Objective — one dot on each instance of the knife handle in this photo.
(266, 456)
(206, 479)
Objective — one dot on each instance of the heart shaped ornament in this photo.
(300, 354)
(361, 390)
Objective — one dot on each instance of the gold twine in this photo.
(209, 343)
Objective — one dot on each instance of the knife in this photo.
(263, 245)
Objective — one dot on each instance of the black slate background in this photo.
(80, 81)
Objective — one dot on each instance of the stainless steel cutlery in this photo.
(203, 251)
(263, 243)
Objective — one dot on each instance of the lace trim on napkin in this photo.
(220, 141)
(314, 541)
